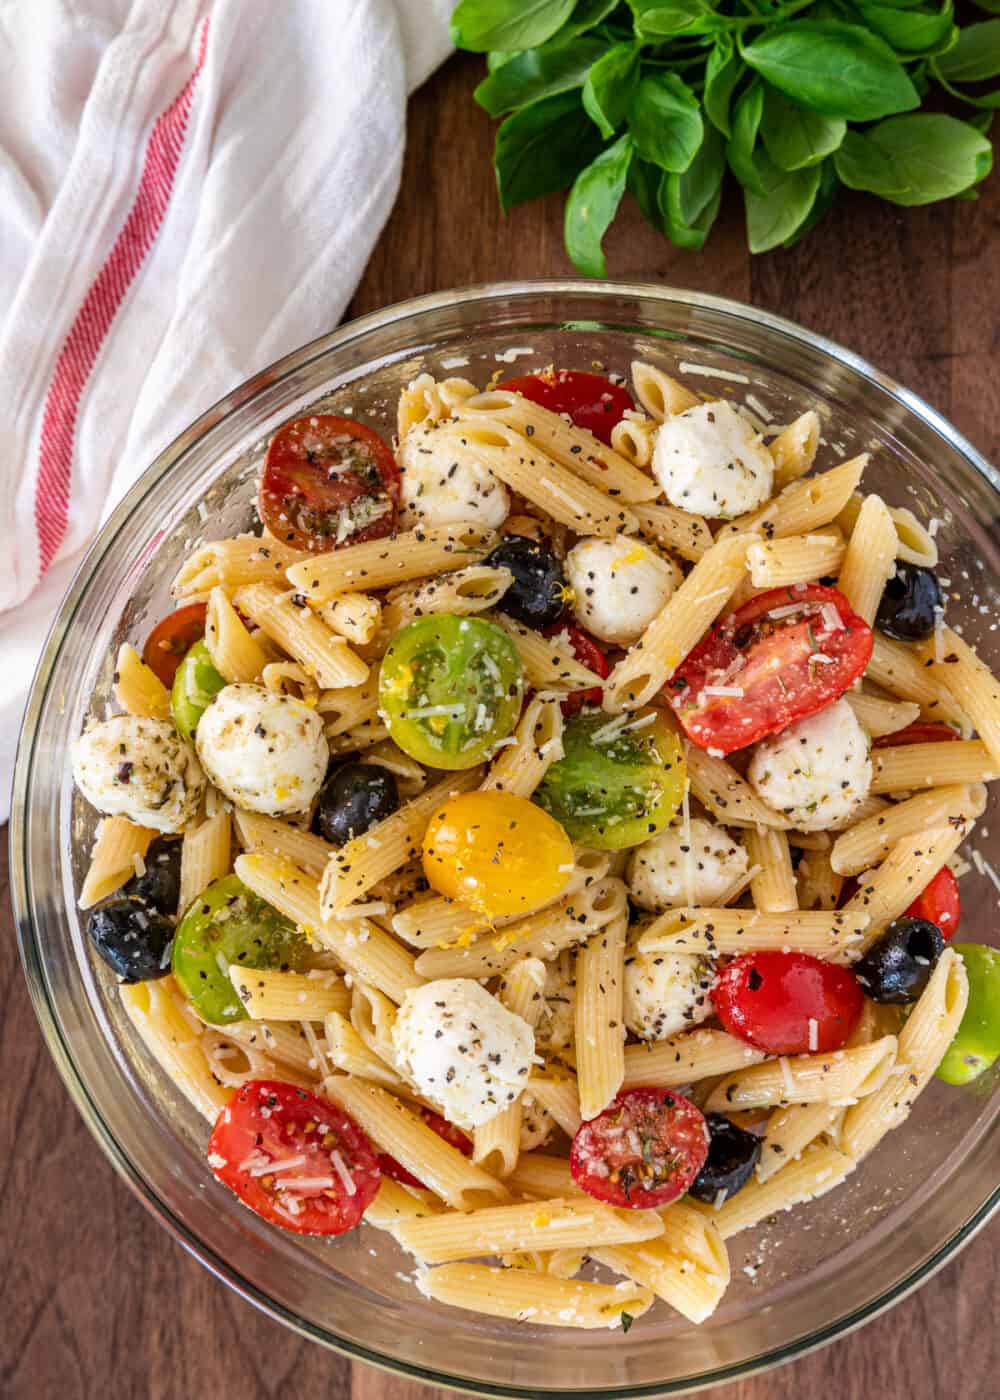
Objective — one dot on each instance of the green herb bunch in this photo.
(794, 97)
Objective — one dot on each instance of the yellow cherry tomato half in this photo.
(498, 853)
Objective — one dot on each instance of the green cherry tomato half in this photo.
(450, 688)
(977, 1040)
(226, 924)
(196, 685)
(616, 785)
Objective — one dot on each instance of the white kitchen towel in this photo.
(189, 189)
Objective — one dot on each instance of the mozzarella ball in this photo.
(666, 993)
(266, 752)
(817, 771)
(140, 769)
(463, 1049)
(658, 879)
(444, 484)
(619, 586)
(710, 461)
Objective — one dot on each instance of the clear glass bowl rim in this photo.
(28, 944)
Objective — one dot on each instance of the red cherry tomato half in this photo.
(295, 1159)
(788, 653)
(921, 731)
(589, 654)
(592, 401)
(940, 903)
(643, 1151)
(452, 1135)
(787, 1003)
(171, 640)
(328, 482)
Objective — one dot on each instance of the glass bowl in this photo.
(799, 1280)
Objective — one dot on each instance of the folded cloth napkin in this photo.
(189, 189)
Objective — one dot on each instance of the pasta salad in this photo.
(538, 839)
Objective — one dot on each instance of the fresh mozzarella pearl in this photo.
(266, 752)
(660, 869)
(463, 1049)
(710, 461)
(140, 769)
(817, 771)
(619, 586)
(666, 993)
(441, 488)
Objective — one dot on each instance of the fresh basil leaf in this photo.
(593, 203)
(722, 73)
(542, 147)
(610, 87)
(690, 236)
(794, 136)
(746, 124)
(666, 121)
(916, 159)
(992, 7)
(689, 202)
(643, 184)
(557, 66)
(480, 25)
(841, 70)
(496, 58)
(982, 121)
(825, 195)
(586, 15)
(661, 19)
(976, 55)
(777, 215)
(911, 31)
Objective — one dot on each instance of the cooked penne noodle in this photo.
(236, 655)
(300, 632)
(818, 884)
(886, 893)
(543, 1177)
(676, 530)
(914, 543)
(549, 663)
(659, 394)
(932, 765)
(496, 1145)
(574, 448)
(346, 1051)
(599, 1025)
(684, 618)
(119, 853)
(206, 855)
(727, 931)
(427, 400)
(870, 841)
(560, 1098)
(926, 1035)
(175, 1043)
(899, 668)
(840, 1077)
(797, 559)
(403, 1134)
(693, 1287)
(346, 707)
(230, 564)
(267, 995)
(270, 836)
(723, 792)
(578, 1223)
(870, 559)
(969, 682)
(773, 887)
(467, 591)
(794, 449)
(522, 765)
(137, 689)
(523, 1295)
(354, 616)
(634, 437)
(684, 1059)
(382, 563)
(789, 1132)
(284, 1042)
(879, 716)
(803, 506)
(819, 1169)
(390, 843)
(394, 1204)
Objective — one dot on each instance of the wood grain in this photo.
(95, 1301)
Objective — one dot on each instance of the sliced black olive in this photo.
(538, 594)
(897, 968)
(910, 604)
(732, 1156)
(132, 938)
(159, 885)
(353, 798)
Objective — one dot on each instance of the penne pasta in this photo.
(538, 744)
(880, 716)
(599, 1029)
(524, 1295)
(797, 559)
(137, 689)
(270, 836)
(819, 1169)
(794, 449)
(870, 558)
(549, 663)
(969, 683)
(578, 1223)
(870, 841)
(206, 855)
(886, 893)
(236, 655)
(659, 394)
(728, 931)
(840, 1077)
(932, 765)
(898, 668)
(399, 558)
(118, 854)
(496, 1145)
(675, 530)
(773, 887)
(685, 1059)
(230, 564)
(267, 995)
(723, 792)
(296, 628)
(803, 506)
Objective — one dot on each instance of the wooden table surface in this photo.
(95, 1300)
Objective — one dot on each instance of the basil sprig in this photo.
(794, 97)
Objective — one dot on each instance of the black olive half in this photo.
(159, 885)
(538, 594)
(732, 1156)
(910, 604)
(353, 798)
(897, 968)
(132, 938)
